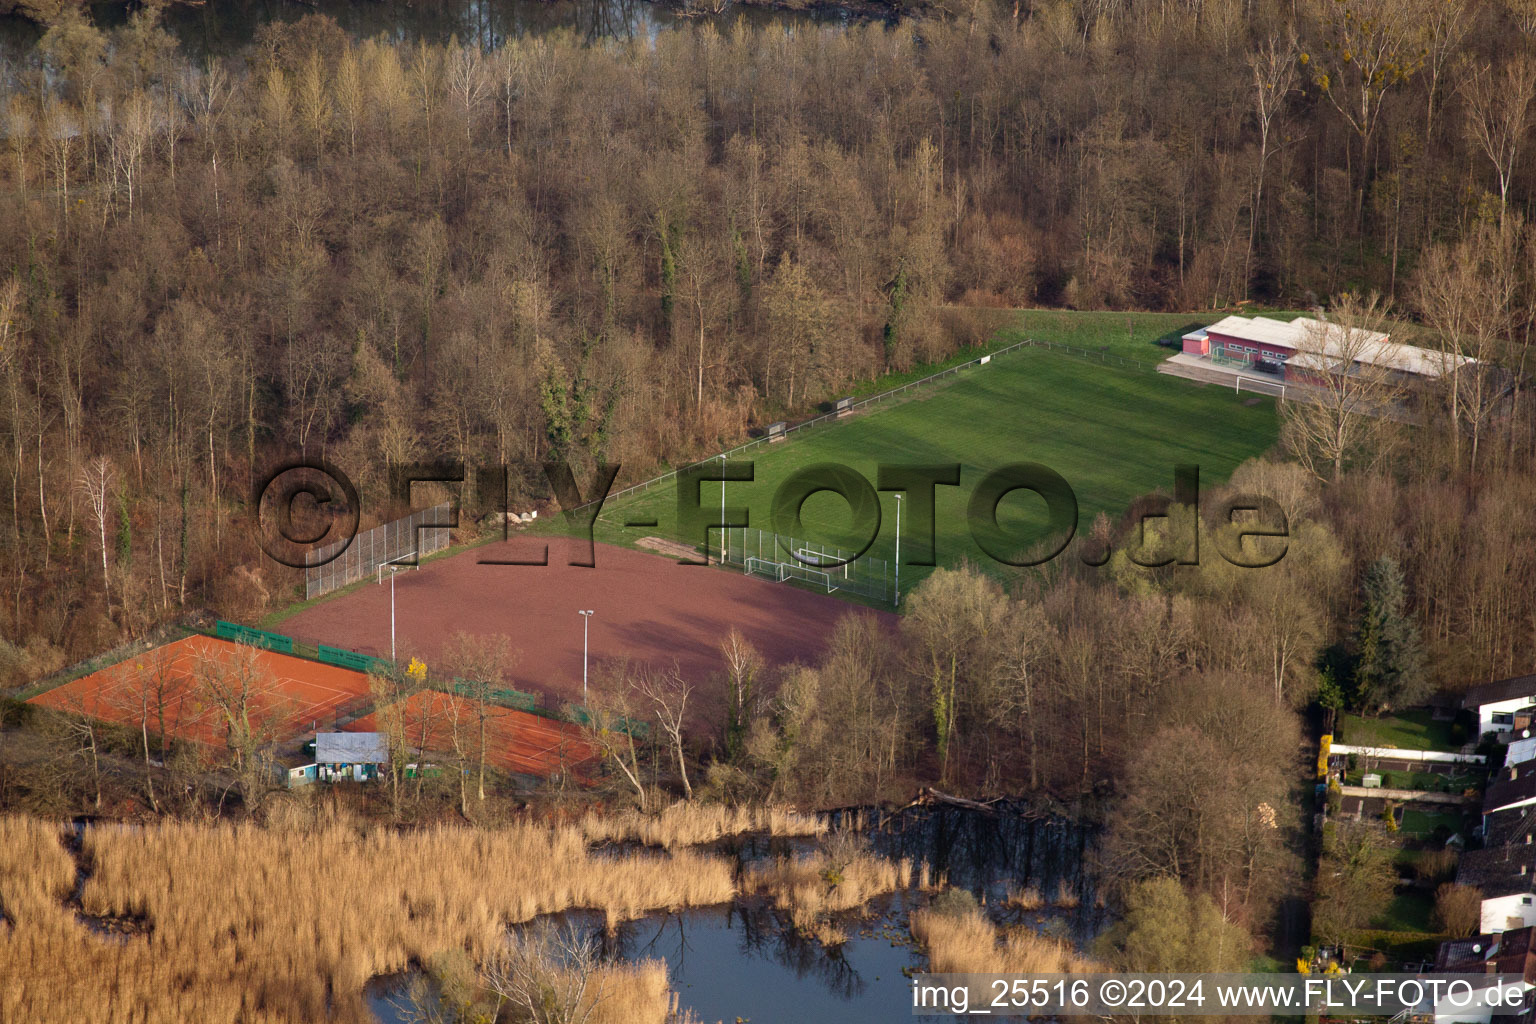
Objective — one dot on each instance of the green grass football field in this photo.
(1114, 432)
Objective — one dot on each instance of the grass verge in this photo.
(1405, 730)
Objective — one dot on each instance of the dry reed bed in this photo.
(261, 926)
(823, 882)
(691, 824)
(970, 944)
(1028, 898)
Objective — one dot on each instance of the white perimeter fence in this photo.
(423, 532)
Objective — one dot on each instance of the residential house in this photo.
(1510, 788)
(1506, 876)
(1511, 954)
(1502, 706)
(1504, 870)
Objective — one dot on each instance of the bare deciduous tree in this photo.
(95, 483)
(1274, 76)
(389, 692)
(240, 691)
(743, 663)
(469, 78)
(549, 976)
(1348, 412)
(1499, 113)
(668, 693)
(1468, 291)
(1365, 49)
(81, 720)
(481, 663)
(148, 689)
(612, 717)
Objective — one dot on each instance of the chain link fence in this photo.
(777, 557)
(421, 533)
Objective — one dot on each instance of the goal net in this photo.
(781, 558)
(782, 571)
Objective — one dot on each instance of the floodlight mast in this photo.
(897, 599)
(394, 567)
(586, 620)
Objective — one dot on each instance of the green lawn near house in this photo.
(1405, 730)
(1411, 911)
(1424, 823)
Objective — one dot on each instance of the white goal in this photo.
(764, 567)
(405, 561)
(781, 571)
(781, 558)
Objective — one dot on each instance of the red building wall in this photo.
(1266, 350)
(1296, 375)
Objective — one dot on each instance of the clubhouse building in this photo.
(1308, 351)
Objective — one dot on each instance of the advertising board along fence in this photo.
(253, 637)
(423, 532)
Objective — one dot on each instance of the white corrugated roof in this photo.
(1258, 328)
(1374, 348)
(1325, 343)
(1313, 361)
(351, 748)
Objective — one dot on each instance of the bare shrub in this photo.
(551, 975)
(1436, 865)
(1458, 909)
(1028, 898)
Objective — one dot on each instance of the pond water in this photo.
(737, 962)
(740, 961)
(987, 853)
(223, 27)
(729, 962)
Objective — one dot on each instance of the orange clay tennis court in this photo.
(515, 741)
(291, 695)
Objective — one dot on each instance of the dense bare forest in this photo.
(382, 251)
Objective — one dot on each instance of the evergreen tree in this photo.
(1330, 695)
(1389, 659)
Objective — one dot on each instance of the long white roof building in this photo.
(1321, 344)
